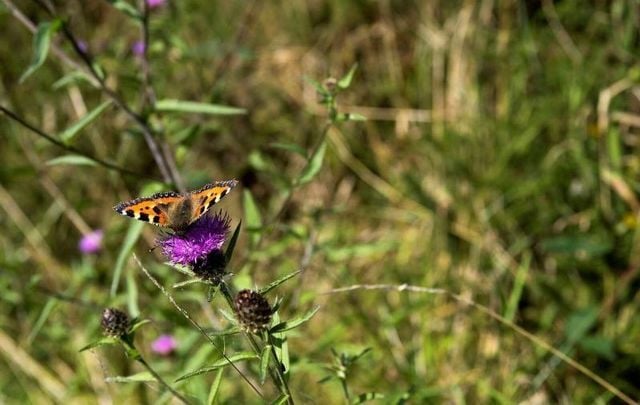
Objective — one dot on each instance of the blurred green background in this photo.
(499, 161)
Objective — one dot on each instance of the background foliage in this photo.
(499, 161)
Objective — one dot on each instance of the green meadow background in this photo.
(499, 162)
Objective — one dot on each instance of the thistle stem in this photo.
(277, 376)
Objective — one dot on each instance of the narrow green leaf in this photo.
(279, 281)
(68, 134)
(215, 387)
(228, 316)
(220, 363)
(313, 166)
(187, 282)
(234, 330)
(252, 216)
(41, 42)
(518, 287)
(143, 376)
(264, 362)
(137, 324)
(281, 400)
(232, 243)
(42, 319)
(196, 107)
(73, 160)
(345, 81)
(294, 323)
(70, 78)
(135, 229)
(107, 340)
(126, 8)
(290, 147)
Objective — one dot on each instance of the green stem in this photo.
(277, 376)
(161, 381)
(132, 352)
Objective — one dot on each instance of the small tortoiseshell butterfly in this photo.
(176, 210)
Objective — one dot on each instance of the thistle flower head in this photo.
(202, 237)
(114, 322)
(253, 311)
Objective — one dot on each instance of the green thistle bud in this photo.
(253, 311)
(114, 322)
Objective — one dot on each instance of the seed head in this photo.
(253, 311)
(114, 322)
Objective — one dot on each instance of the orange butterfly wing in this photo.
(152, 209)
(211, 194)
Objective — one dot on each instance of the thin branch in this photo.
(69, 148)
(147, 132)
(492, 314)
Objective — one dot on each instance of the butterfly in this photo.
(176, 210)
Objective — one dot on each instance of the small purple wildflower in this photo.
(83, 45)
(91, 242)
(138, 48)
(164, 345)
(156, 3)
(208, 233)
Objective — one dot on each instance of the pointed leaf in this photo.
(196, 107)
(68, 134)
(107, 340)
(252, 216)
(137, 324)
(135, 229)
(74, 160)
(264, 362)
(232, 243)
(313, 166)
(215, 387)
(226, 332)
(41, 42)
(279, 281)
(220, 363)
(228, 316)
(290, 147)
(73, 77)
(294, 323)
(126, 8)
(345, 81)
(282, 399)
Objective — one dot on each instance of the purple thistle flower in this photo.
(91, 242)
(208, 233)
(156, 3)
(138, 48)
(164, 345)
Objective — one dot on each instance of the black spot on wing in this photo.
(157, 210)
(202, 210)
(129, 213)
(143, 217)
(156, 219)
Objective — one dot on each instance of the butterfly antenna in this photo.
(195, 324)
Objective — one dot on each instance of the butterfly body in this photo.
(176, 210)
